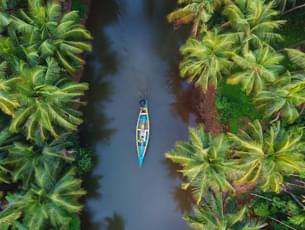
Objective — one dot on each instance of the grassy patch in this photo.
(234, 106)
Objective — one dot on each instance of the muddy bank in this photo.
(204, 105)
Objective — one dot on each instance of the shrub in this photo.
(234, 106)
(84, 160)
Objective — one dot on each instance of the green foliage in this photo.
(74, 223)
(26, 159)
(219, 212)
(234, 106)
(284, 98)
(40, 46)
(263, 155)
(79, 6)
(84, 160)
(280, 207)
(262, 209)
(204, 162)
(8, 101)
(50, 202)
(266, 157)
(256, 69)
(204, 62)
(196, 12)
(46, 100)
(253, 22)
(52, 34)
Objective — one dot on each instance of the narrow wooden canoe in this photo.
(142, 131)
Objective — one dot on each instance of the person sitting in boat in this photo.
(142, 134)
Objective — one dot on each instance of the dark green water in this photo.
(135, 52)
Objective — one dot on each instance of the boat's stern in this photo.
(140, 160)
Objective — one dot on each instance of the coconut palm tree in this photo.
(26, 159)
(297, 57)
(266, 157)
(256, 68)
(8, 102)
(283, 99)
(6, 139)
(7, 7)
(253, 22)
(53, 33)
(4, 16)
(220, 213)
(9, 217)
(13, 54)
(196, 11)
(206, 60)
(46, 102)
(204, 163)
(49, 203)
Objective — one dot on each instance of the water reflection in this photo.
(184, 199)
(115, 222)
(101, 63)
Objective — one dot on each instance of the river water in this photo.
(135, 53)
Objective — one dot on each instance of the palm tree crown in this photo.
(283, 98)
(256, 68)
(205, 61)
(27, 159)
(266, 157)
(297, 57)
(8, 102)
(53, 34)
(203, 161)
(46, 102)
(196, 11)
(253, 22)
(49, 203)
(220, 213)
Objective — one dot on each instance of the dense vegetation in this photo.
(250, 177)
(41, 160)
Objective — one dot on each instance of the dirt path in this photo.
(205, 106)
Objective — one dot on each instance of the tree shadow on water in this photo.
(115, 222)
(102, 62)
(184, 199)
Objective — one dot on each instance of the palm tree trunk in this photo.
(204, 104)
(195, 28)
(296, 199)
(284, 6)
(302, 108)
(293, 197)
(293, 9)
(278, 114)
(260, 196)
(282, 223)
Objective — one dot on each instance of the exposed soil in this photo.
(204, 105)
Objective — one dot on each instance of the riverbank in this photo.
(237, 159)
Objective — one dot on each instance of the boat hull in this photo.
(142, 132)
